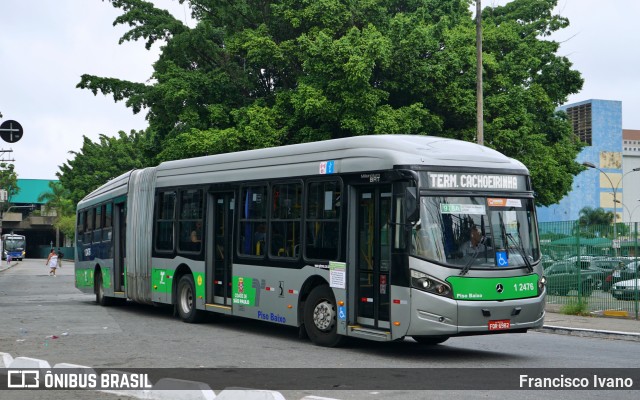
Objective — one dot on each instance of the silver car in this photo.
(626, 290)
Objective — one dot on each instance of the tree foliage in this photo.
(58, 199)
(98, 162)
(259, 73)
(67, 225)
(8, 182)
(595, 216)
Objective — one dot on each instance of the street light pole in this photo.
(632, 211)
(479, 94)
(615, 198)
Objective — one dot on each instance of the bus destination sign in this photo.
(462, 181)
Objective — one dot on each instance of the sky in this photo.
(46, 45)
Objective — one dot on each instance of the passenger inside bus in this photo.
(196, 234)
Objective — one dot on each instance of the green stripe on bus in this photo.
(162, 280)
(479, 289)
(84, 277)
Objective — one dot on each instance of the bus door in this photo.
(219, 246)
(373, 244)
(119, 241)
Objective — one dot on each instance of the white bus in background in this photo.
(13, 246)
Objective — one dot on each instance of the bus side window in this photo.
(190, 224)
(322, 230)
(165, 221)
(285, 219)
(89, 219)
(253, 221)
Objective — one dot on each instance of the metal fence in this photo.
(592, 267)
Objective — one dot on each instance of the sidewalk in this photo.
(595, 326)
(556, 322)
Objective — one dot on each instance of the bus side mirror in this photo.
(411, 204)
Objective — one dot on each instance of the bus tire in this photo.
(321, 318)
(186, 300)
(430, 340)
(101, 299)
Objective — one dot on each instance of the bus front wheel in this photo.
(186, 300)
(320, 318)
(100, 297)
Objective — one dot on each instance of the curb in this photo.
(563, 330)
(8, 267)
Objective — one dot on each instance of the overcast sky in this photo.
(46, 45)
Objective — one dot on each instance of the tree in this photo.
(98, 162)
(8, 182)
(258, 73)
(595, 216)
(58, 199)
(67, 225)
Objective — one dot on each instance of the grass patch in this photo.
(575, 308)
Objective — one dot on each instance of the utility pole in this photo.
(479, 95)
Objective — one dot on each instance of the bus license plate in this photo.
(499, 325)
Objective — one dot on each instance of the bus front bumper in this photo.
(441, 316)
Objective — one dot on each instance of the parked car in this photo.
(629, 271)
(565, 276)
(626, 290)
(609, 266)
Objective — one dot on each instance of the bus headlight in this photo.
(541, 284)
(427, 283)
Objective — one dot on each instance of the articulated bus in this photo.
(376, 237)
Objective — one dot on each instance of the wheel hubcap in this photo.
(186, 300)
(323, 315)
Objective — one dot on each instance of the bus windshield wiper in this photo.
(474, 256)
(521, 251)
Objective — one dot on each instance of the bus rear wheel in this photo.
(430, 340)
(320, 318)
(186, 300)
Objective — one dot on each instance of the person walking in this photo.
(52, 261)
(60, 257)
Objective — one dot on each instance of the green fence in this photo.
(43, 252)
(595, 266)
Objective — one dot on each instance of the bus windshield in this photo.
(14, 244)
(476, 232)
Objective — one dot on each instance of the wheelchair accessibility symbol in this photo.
(342, 313)
(501, 259)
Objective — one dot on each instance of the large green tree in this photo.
(98, 162)
(257, 73)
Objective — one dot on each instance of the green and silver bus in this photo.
(376, 237)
